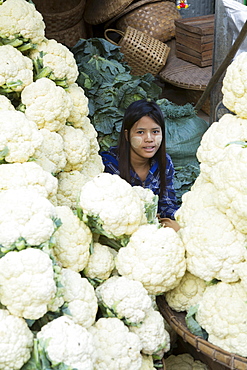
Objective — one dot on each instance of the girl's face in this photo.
(145, 137)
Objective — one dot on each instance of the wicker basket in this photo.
(70, 36)
(155, 18)
(143, 53)
(216, 357)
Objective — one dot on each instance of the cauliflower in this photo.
(19, 138)
(46, 104)
(91, 134)
(21, 23)
(214, 248)
(80, 110)
(50, 155)
(69, 188)
(66, 343)
(79, 297)
(5, 103)
(76, 147)
(188, 293)
(229, 128)
(113, 204)
(150, 204)
(16, 341)
(26, 218)
(100, 264)
(155, 256)
(58, 61)
(16, 70)
(27, 282)
(184, 361)
(71, 240)
(116, 347)
(154, 338)
(93, 166)
(125, 299)
(147, 363)
(28, 175)
(234, 86)
(222, 313)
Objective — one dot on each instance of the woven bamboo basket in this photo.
(70, 36)
(215, 356)
(155, 18)
(143, 53)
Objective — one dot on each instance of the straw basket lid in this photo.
(100, 11)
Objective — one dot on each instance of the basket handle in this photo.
(112, 30)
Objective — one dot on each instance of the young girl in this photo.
(141, 159)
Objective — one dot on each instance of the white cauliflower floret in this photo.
(188, 293)
(20, 19)
(155, 257)
(28, 175)
(46, 104)
(93, 165)
(16, 70)
(234, 86)
(27, 282)
(214, 248)
(58, 58)
(211, 150)
(150, 204)
(154, 338)
(184, 361)
(91, 134)
(19, 137)
(79, 110)
(116, 347)
(50, 155)
(71, 240)
(5, 103)
(25, 214)
(67, 343)
(222, 313)
(114, 202)
(79, 297)
(125, 299)
(16, 341)
(100, 264)
(69, 188)
(76, 147)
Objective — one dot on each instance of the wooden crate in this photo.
(195, 39)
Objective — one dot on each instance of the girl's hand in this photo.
(167, 222)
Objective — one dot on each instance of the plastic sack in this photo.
(237, 16)
(184, 131)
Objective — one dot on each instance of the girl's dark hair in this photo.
(133, 113)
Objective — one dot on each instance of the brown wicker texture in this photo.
(59, 18)
(194, 95)
(143, 53)
(100, 11)
(70, 36)
(155, 19)
(216, 354)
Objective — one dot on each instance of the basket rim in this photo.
(78, 8)
(100, 11)
(217, 354)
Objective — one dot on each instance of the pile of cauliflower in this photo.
(82, 254)
(213, 220)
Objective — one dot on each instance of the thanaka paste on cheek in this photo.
(158, 140)
(136, 141)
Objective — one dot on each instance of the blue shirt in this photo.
(167, 205)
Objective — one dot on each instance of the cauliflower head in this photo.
(80, 299)
(5, 103)
(46, 104)
(19, 138)
(188, 293)
(65, 342)
(20, 19)
(154, 256)
(80, 109)
(234, 86)
(16, 341)
(58, 59)
(222, 313)
(184, 361)
(123, 298)
(113, 202)
(116, 346)
(26, 218)
(27, 282)
(93, 165)
(71, 240)
(147, 363)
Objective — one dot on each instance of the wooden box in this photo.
(195, 39)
